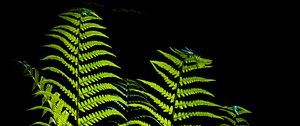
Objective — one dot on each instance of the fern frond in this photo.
(98, 100)
(64, 62)
(41, 124)
(230, 112)
(175, 60)
(180, 53)
(86, 26)
(89, 79)
(233, 122)
(135, 122)
(53, 69)
(159, 89)
(70, 19)
(71, 47)
(70, 13)
(68, 35)
(160, 118)
(193, 103)
(72, 29)
(197, 59)
(243, 110)
(71, 57)
(189, 68)
(188, 80)
(89, 55)
(88, 18)
(88, 34)
(63, 88)
(95, 117)
(171, 83)
(87, 45)
(87, 68)
(165, 107)
(142, 102)
(242, 120)
(42, 108)
(185, 115)
(167, 67)
(192, 91)
(93, 89)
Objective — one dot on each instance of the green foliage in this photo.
(176, 89)
(79, 85)
(234, 115)
(74, 70)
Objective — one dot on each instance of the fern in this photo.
(78, 84)
(234, 115)
(80, 77)
(176, 89)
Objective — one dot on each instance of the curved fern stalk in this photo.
(77, 68)
(178, 101)
(234, 115)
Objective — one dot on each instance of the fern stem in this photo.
(78, 84)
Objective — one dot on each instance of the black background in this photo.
(234, 35)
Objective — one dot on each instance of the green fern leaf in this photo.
(56, 70)
(95, 117)
(167, 67)
(188, 80)
(86, 26)
(87, 45)
(71, 47)
(164, 106)
(185, 115)
(90, 103)
(63, 88)
(88, 18)
(242, 120)
(135, 122)
(171, 83)
(64, 62)
(70, 19)
(91, 90)
(193, 103)
(41, 124)
(89, 79)
(189, 68)
(87, 68)
(229, 119)
(73, 14)
(71, 57)
(72, 29)
(175, 60)
(89, 55)
(161, 90)
(71, 37)
(88, 34)
(160, 118)
(192, 91)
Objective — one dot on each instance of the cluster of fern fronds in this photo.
(79, 84)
